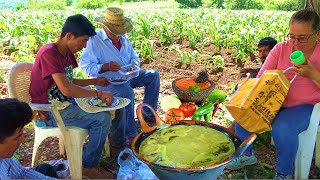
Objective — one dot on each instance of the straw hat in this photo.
(115, 21)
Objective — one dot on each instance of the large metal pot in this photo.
(168, 173)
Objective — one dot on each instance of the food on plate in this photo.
(99, 102)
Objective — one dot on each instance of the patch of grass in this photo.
(260, 172)
(240, 174)
(263, 139)
(250, 172)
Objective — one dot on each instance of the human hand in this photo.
(113, 66)
(106, 97)
(252, 71)
(43, 116)
(307, 70)
(102, 81)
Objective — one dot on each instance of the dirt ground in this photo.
(167, 63)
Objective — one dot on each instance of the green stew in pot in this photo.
(187, 146)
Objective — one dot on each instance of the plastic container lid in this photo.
(297, 57)
(126, 73)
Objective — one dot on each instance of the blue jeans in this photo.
(150, 80)
(286, 127)
(98, 125)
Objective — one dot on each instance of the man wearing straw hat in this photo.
(52, 79)
(110, 49)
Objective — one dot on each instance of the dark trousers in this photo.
(47, 170)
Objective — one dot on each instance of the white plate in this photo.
(84, 104)
(115, 82)
(99, 102)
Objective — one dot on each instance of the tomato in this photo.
(188, 108)
(174, 114)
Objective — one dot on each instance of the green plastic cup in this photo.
(298, 57)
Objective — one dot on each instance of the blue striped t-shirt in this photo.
(10, 168)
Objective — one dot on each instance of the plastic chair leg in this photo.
(75, 161)
(307, 142)
(317, 152)
(304, 157)
(74, 144)
(35, 154)
(62, 150)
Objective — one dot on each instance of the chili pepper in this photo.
(203, 110)
(216, 107)
(196, 118)
(207, 117)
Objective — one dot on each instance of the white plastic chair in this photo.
(72, 138)
(307, 141)
(317, 158)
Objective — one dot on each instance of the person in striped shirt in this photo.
(14, 115)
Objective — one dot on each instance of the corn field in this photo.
(23, 32)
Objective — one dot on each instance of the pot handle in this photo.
(245, 144)
(144, 126)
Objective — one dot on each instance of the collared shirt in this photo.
(100, 50)
(10, 168)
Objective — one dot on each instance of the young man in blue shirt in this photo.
(14, 115)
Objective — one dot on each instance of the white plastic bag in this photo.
(133, 168)
(63, 168)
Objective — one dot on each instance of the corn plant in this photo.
(195, 34)
(215, 36)
(166, 35)
(217, 61)
(23, 32)
(187, 57)
(144, 25)
(203, 43)
(143, 47)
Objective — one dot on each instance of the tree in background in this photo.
(69, 2)
(189, 3)
(42, 4)
(91, 4)
(286, 5)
